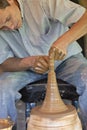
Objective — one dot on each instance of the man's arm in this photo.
(37, 63)
(16, 64)
(76, 31)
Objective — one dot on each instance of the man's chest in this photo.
(36, 18)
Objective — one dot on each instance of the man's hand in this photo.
(41, 64)
(58, 52)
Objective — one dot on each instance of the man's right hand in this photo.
(41, 64)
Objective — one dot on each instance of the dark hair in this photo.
(3, 4)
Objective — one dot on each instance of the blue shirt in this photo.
(44, 21)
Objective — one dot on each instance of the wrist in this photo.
(26, 63)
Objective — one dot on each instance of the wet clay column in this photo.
(53, 114)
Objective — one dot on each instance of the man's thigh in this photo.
(17, 80)
(74, 71)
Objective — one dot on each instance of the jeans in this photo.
(73, 70)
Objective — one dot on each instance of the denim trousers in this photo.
(73, 70)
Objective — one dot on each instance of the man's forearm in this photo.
(78, 30)
(16, 64)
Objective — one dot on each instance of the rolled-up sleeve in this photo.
(5, 51)
(65, 11)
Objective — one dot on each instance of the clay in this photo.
(6, 124)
